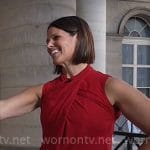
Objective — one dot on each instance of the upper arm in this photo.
(132, 103)
(22, 103)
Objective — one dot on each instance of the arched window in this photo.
(136, 54)
(136, 27)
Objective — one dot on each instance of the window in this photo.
(136, 54)
(136, 58)
(135, 70)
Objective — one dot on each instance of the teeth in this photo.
(54, 52)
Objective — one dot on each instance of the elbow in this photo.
(1, 116)
(1, 110)
(146, 130)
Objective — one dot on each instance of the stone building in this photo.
(121, 31)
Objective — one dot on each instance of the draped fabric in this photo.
(76, 114)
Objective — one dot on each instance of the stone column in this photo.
(94, 12)
(24, 60)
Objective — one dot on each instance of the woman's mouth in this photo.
(54, 52)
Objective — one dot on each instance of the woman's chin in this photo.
(55, 62)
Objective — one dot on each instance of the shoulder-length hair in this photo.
(84, 51)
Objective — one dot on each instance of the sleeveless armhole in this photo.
(45, 88)
(115, 110)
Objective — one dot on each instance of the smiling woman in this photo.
(80, 106)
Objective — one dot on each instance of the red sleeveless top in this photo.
(76, 114)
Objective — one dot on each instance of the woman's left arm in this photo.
(132, 103)
(145, 145)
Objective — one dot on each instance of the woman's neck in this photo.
(72, 70)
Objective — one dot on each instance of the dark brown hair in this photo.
(84, 51)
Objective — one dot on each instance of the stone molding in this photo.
(143, 13)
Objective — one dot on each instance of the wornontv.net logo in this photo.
(15, 140)
(77, 140)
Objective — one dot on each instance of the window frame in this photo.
(135, 42)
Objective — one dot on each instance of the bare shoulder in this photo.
(116, 83)
(37, 89)
(33, 90)
(119, 91)
(114, 87)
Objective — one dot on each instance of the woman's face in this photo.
(61, 46)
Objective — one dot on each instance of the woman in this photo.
(78, 108)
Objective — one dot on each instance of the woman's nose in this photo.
(50, 43)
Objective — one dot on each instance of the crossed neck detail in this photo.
(82, 73)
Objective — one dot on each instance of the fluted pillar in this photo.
(94, 12)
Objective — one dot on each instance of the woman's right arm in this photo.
(22, 103)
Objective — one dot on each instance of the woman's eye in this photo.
(56, 37)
